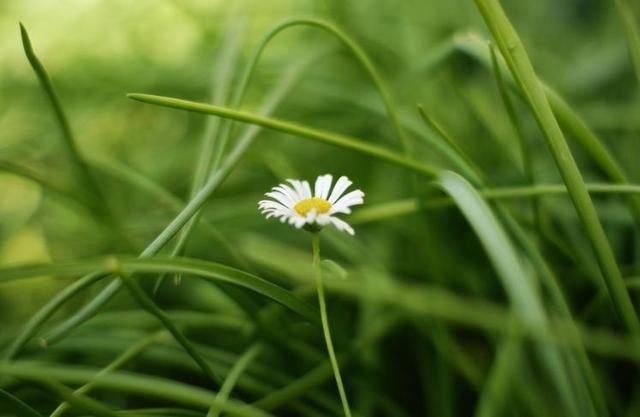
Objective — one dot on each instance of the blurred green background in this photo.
(97, 51)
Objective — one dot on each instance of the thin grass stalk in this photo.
(391, 209)
(330, 138)
(315, 245)
(14, 404)
(234, 374)
(525, 151)
(126, 356)
(120, 381)
(81, 170)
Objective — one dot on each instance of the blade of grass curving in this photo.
(11, 403)
(524, 298)
(126, 356)
(187, 212)
(210, 271)
(352, 46)
(499, 381)
(82, 171)
(233, 376)
(34, 323)
(129, 382)
(522, 293)
(293, 129)
(522, 70)
(78, 401)
(631, 32)
(150, 306)
(578, 362)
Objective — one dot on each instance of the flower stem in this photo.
(315, 244)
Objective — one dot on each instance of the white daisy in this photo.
(299, 206)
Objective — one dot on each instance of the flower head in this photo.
(296, 204)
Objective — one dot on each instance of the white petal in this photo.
(341, 185)
(306, 193)
(341, 206)
(311, 215)
(339, 209)
(323, 219)
(298, 222)
(342, 225)
(289, 192)
(323, 185)
(281, 198)
(297, 185)
(351, 199)
(270, 203)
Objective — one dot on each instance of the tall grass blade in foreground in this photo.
(520, 66)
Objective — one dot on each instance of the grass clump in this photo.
(496, 258)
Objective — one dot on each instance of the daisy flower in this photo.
(297, 205)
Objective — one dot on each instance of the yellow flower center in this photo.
(303, 207)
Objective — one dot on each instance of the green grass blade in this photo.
(388, 210)
(522, 70)
(495, 397)
(12, 403)
(132, 383)
(126, 356)
(149, 305)
(475, 47)
(293, 129)
(523, 295)
(470, 168)
(82, 171)
(230, 381)
(524, 298)
(146, 185)
(356, 51)
(574, 125)
(78, 401)
(210, 271)
(513, 117)
(631, 32)
(30, 328)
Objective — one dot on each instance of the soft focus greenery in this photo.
(496, 262)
